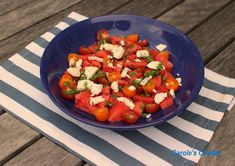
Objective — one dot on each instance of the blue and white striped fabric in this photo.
(22, 94)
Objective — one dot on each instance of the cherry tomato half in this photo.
(113, 76)
(143, 43)
(151, 107)
(102, 114)
(128, 91)
(66, 81)
(129, 117)
(73, 56)
(133, 37)
(149, 86)
(68, 92)
(172, 83)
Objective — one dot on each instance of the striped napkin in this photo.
(22, 95)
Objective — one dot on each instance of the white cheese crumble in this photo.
(142, 53)
(101, 47)
(154, 91)
(110, 65)
(132, 88)
(117, 51)
(161, 47)
(159, 97)
(145, 80)
(110, 57)
(148, 116)
(114, 86)
(96, 89)
(154, 64)
(119, 65)
(122, 43)
(172, 92)
(126, 101)
(177, 74)
(95, 58)
(79, 64)
(124, 72)
(96, 100)
(179, 81)
(84, 84)
(75, 72)
(90, 71)
(71, 62)
(137, 60)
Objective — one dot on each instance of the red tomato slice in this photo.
(102, 53)
(143, 99)
(82, 102)
(133, 38)
(102, 34)
(115, 113)
(135, 65)
(130, 117)
(138, 109)
(84, 50)
(151, 107)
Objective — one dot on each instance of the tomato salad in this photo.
(119, 78)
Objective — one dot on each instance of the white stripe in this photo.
(35, 48)
(25, 64)
(191, 128)
(216, 96)
(62, 25)
(168, 141)
(55, 132)
(219, 79)
(48, 36)
(205, 112)
(109, 136)
(77, 16)
(231, 104)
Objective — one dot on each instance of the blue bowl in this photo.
(184, 55)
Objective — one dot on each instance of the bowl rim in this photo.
(180, 109)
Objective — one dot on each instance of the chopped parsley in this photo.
(136, 82)
(149, 59)
(132, 73)
(108, 103)
(114, 96)
(159, 66)
(150, 73)
(98, 74)
(66, 83)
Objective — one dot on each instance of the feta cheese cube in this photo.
(114, 86)
(126, 101)
(154, 91)
(96, 100)
(172, 92)
(90, 71)
(79, 64)
(110, 65)
(84, 85)
(75, 72)
(145, 80)
(137, 60)
(95, 58)
(96, 89)
(124, 72)
(142, 53)
(154, 65)
(159, 97)
(118, 52)
(179, 81)
(132, 88)
(161, 47)
(71, 62)
(122, 43)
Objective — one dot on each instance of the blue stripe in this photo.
(41, 42)
(209, 103)
(199, 120)
(182, 136)
(70, 21)
(25, 53)
(68, 127)
(55, 30)
(217, 87)
(152, 146)
(24, 75)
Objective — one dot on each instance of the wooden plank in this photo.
(1, 111)
(14, 137)
(9, 5)
(223, 141)
(191, 13)
(44, 152)
(150, 8)
(14, 43)
(224, 63)
(215, 33)
(29, 14)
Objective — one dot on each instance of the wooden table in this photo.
(209, 23)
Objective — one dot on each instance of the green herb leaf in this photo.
(147, 94)
(114, 96)
(66, 84)
(142, 106)
(136, 82)
(144, 115)
(98, 74)
(108, 103)
(83, 77)
(159, 66)
(86, 85)
(149, 59)
(150, 73)
(132, 73)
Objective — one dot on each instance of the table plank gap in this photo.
(1, 112)
(197, 12)
(14, 43)
(30, 14)
(15, 137)
(150, 8)
(10, 5)
(44, 152)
